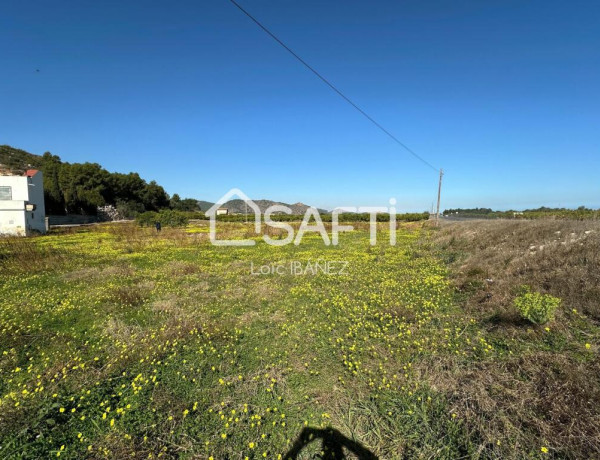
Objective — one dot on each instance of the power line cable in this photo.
(342, 95)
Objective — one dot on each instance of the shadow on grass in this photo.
(333, 445)
(508, 318)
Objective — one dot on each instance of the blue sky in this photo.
(504, 95)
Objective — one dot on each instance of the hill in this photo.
(239, 206)
(16, 161)
(204, 205)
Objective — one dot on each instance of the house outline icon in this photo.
(212, 214)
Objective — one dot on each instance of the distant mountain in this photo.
(204, 205)
(239, 206)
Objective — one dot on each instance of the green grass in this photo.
(121, 343)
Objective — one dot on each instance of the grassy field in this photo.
(116, 342)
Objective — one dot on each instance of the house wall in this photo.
(19, 186)
(12, 218)
(36, 220)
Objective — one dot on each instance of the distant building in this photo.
(22, 210)
(222, 211)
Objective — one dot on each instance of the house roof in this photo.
(31, 172)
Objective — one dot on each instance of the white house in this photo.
(22, 209)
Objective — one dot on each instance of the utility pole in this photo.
(246, 212)
(437, 213)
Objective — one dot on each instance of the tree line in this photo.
(327, 217)
(581, 213)
(173, 218)
(80, 188)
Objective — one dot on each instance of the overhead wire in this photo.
(334, 88)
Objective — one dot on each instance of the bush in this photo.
(167, 218)
(535, 307)
(129, 209)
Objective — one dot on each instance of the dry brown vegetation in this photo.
(495, 257)
(547, 387)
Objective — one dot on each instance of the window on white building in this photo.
(5, 193)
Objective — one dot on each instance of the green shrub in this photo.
(146, 219)
(167, 218)
(535, 307)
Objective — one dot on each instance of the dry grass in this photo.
(131, 296)
(547, 389)
(493, 258)
(19, 254)
(131, 238)
(532, 400)
(90, 273)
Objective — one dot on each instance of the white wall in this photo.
(14, 219)
(20, 189)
